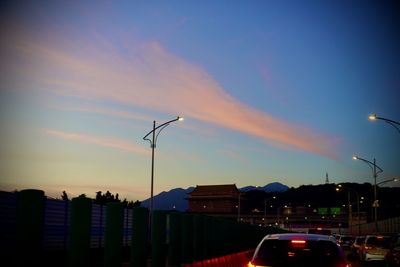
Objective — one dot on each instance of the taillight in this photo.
(251, 264)
(298, 243)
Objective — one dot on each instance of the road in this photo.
(367, 264)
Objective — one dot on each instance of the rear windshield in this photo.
(279, 253)
(380, 241)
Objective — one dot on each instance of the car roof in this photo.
(302, 236)
(384, 236)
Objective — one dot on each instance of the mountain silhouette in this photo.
(269, 188)
(175, 199)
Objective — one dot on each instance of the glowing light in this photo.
(298, 241)
(372, 117)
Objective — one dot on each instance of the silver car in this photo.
(299, 250)
(374, 247)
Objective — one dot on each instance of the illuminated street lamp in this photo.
(375, 173)
(388, 181)
(395, 124)
(153, 141)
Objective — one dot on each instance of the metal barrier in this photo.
(78, 232)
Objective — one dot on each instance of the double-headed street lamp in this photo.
(395, 124)
(375, 171)
(153, 141)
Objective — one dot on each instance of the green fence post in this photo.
(140, 217)
(113, 234)
(187, 238)
(30, 226)
(216, 237)
(175, 239)
(208, 234)
(198, 237)
(158, 238)
(79, 234)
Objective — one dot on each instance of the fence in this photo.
(56, 223)
(47, 232)
(391, 225)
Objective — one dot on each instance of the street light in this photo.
(350, 209)
(153, 142)
(375, 173)
(395, 124)
(388, 181)
(265, 209)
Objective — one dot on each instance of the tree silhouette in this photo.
(103, 199)
(64, 196)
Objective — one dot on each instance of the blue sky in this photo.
(270, 91)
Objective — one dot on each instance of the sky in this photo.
(270, 91)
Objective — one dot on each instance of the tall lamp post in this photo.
(350, 209)
(395, 124)
(375, 171)
(153, 141)
(265, 209)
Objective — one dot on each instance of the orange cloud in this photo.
(149, 77)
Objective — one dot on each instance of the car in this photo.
(392, 257)
(298, 250)
(375, 247)
(355, 247)
(345, 241)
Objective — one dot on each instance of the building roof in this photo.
(214, 190)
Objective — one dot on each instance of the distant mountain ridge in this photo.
(175, 199)
(269, 188)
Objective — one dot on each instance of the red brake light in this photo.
(298, 243)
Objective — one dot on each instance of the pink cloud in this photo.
(100, 141)
(150, 77)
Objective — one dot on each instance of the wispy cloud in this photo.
(100, 141)
(150, 77)
(103, 111)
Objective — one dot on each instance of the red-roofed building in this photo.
(214, 199)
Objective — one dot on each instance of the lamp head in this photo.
(355, 157)
(372, 117)
(180, 118)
